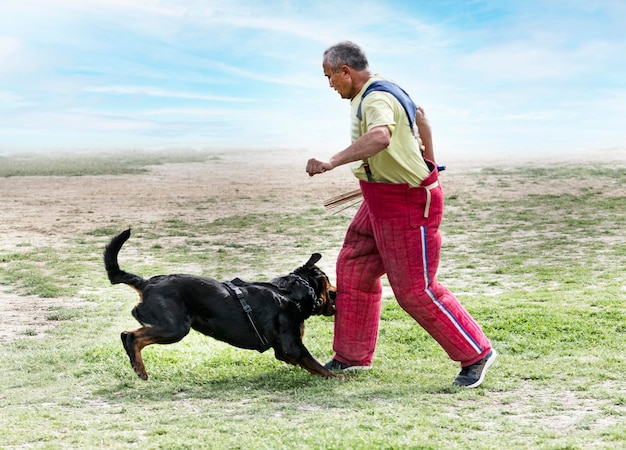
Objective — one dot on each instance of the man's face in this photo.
(340, 81)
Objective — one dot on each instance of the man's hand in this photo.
(372, 142)
(314, 166)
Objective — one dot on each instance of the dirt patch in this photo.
(27, 316)
(44, 211)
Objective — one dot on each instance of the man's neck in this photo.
(359, 80)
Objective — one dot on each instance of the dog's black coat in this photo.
(170, 305)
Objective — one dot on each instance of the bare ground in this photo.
(40, 211)
(43, 211)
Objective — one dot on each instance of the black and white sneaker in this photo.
(472, 376)
(337, 366)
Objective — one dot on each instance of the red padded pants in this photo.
(396, 232)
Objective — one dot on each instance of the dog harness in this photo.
(234, 290)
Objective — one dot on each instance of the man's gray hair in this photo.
(346, 53)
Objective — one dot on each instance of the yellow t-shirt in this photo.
(402, 161)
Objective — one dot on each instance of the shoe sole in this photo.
(488, 364)
(349, 369)
(356, 368)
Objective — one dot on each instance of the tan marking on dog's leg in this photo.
(139, 292)
(133, 347)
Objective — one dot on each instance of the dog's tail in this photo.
(117, 275)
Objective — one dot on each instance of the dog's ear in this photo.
(315, 257)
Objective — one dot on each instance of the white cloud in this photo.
(10, 59)
(9, 99)
(156, 92)
(8, 47)
(152, 7)
(541, 59)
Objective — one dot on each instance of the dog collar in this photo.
(317, 301)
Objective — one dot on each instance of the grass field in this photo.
(540, 263)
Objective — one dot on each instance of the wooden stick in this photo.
(337, 211)
(343, 198)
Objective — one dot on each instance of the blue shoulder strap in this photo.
(395, 90)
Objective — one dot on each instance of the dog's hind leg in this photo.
(164, 322)
(135, 341)
(133, 350)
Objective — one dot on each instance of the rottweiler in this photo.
(256, 316)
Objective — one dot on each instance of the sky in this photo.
(497, 78)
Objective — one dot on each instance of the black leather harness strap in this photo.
(234, 290)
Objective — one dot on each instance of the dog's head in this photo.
(309, 286)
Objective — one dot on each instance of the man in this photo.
(396, 229)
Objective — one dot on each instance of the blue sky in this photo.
(496, 77)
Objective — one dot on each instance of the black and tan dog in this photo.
(255, 316)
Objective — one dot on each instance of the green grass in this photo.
(542, 273)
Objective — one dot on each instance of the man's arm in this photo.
(372, 142)
(425, 134)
